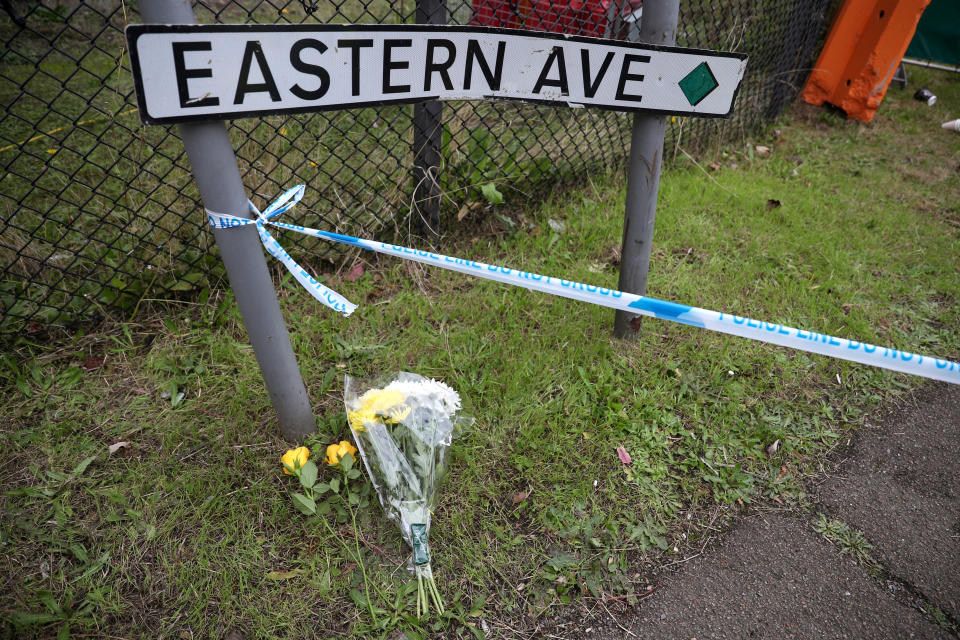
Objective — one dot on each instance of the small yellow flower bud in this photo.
(335, 452)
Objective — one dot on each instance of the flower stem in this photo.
(437, 600)
(421, 597)
(363, 569)
(356, 554)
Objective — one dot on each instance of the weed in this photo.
(938, 617)
(849, 540)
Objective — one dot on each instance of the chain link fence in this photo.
(100, 214)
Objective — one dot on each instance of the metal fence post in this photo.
(658, 25)
(428, 134)
(215, 169)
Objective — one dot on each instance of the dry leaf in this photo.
(623, 455)
(116, 446)
(520, 496)
(284, 575)
(772, 449)
(714, 166)
(92, 363)
(354, 274)
(762, 151)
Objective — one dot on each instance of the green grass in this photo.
(180, 533)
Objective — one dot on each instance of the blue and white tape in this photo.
(773, 333)
(284, 203)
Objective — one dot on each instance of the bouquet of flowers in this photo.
(403, 430)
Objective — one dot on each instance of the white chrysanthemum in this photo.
(427, 387)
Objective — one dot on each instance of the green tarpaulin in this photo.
(938, 34)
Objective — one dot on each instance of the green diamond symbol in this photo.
(698, 84)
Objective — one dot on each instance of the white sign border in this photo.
(134, 31)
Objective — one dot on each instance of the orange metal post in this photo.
(862, 52)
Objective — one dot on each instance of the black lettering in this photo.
(184, 74)
(474, 52)
(443, 68)
(389, 65)
(355, 59)
(310, 69)
(244, 86)
(590, 88)
(626, 76)
(561, 82)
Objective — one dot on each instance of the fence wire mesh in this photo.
(100, 213)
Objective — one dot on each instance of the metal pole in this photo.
(428, 135)
(658, 25)
(215, 169)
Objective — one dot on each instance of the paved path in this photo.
(773, 576)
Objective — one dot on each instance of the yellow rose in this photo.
(378, 403)
(335, 452)
(293, 459)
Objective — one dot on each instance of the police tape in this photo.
(284, 203)
(773, 333)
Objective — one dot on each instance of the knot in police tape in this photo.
(769, 332)
(281, 205)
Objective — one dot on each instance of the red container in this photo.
(575, 17)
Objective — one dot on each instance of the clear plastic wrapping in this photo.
(403, 428)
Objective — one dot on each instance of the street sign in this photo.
(185, 73)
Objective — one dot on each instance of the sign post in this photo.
(218, 178)
(428, 137)
(658, 26)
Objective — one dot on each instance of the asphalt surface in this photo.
(774, 576)
(901, 488)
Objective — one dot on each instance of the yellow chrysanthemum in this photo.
(378, 403)
(336, 451)
(294, 459)
(359, 418)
